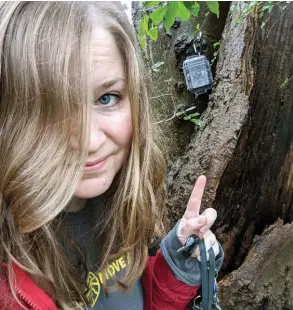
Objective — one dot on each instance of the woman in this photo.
(81, 189)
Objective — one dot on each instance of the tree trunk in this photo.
(256, 187)
(245, 149)
(264, 280)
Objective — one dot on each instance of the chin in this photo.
(90, 188)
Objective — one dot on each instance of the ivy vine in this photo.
(162, 14)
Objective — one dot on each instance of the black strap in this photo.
(209, 298)
(208, 273)
(212, 276)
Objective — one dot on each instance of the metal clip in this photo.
(199, 305)
(197, 44)
(189, 245)
(215, 301)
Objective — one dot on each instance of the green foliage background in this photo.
(157, 14)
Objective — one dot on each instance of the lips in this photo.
(95, 166)
(93, 163)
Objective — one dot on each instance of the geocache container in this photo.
(198, 74)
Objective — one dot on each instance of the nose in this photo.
(97, 136)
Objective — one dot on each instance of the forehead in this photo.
(107, 61)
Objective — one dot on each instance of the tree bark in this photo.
(245, 148)
(256, 188)
(264, 280)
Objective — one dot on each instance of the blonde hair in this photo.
(45, 95)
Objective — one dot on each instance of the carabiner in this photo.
(199, 306)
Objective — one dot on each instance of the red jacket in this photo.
(161, 290)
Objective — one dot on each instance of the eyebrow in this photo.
(109, 83)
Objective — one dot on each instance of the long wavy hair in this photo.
(45, 94)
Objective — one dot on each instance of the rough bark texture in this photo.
(256, 187)
(212, 147)
(265, 279)
(245, 150)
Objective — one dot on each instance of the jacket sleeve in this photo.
(187, 270)
(170, 280)
(161, 288)
(7, 300)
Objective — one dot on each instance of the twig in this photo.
(204, 21)
(155, 97)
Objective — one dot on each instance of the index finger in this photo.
(194, 202)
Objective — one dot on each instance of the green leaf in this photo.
(142, 41)
(187, 118)
(158, 15)
(180, 113)
(148, 4)
(196, 121)
(188, 4)
(216, 44)
(170, 14)
(285, 83)
(267, 7)
(154, 33)
(141, 27)
(145, 23)
(197, 26)
(214, 7)
(194, 115)
(195, 9)
(182, 12)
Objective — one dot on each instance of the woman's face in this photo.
(111, 127)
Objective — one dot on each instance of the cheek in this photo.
(125, 134)
(121, 129)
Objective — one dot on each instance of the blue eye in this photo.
(108, 99)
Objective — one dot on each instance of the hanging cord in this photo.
(209, 292)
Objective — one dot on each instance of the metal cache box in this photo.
(198, 74)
